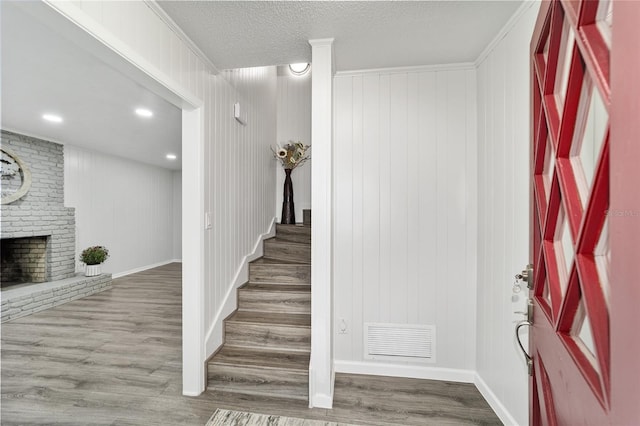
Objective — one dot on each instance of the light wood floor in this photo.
(115, 359)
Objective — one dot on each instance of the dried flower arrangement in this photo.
(292, 154)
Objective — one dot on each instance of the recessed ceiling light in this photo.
(143, 112)
(52, 118)
(171, 156)
(299, 69)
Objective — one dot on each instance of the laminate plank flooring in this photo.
(114, 358)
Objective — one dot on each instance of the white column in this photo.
(193, 372)
(321, 366)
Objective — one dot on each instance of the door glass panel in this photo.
(549, 166)
(604, 18)
(584, 335)
(545, 50)
(546, 294)
(564, 62)
(563, 247)
(589, 135)
(602, 255)
(567, 246)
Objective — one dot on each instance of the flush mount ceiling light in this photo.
(171, 156)
(143, 112)
(52, 118)
(299, 69)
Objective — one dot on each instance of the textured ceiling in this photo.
(44, 72)
(368, 34)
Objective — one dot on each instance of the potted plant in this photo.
(93, 257)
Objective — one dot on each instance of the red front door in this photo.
(582, 217)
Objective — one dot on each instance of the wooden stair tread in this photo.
(263, 358)
(298, 228)
(290, 262)
(284, 288)
(284, 241)
(268, 338)
(271, 318)
(269, 261)
(233, 397)
(271, 284)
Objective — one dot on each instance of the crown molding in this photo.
(155, 7)
(402, 70)
(526, 5)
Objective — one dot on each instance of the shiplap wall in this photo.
(503, 214)
(177, 215)
(124, 205)
(405, 211)
(294, 123)
(239, 173)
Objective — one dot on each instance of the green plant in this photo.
(94, 255)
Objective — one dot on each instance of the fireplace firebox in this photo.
(24, 260)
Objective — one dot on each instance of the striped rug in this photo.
(242, 418)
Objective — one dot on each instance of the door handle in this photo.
(524, 352)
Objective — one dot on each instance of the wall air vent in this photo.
(407, 342)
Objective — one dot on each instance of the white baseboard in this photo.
(320, 400)
(214, 337)
(410, 371)
(144, 268)
(497, 406)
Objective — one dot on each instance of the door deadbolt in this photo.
(527, 276)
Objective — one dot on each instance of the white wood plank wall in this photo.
(503, 203)
(238, 167)
(405, 211)
(124, 205)
(294, 123)
(177, 215)
(239, 175)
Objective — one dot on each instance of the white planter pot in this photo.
(92, 270)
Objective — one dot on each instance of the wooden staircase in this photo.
(267, 340)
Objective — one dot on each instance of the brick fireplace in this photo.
(37, 230)
(38, 236)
